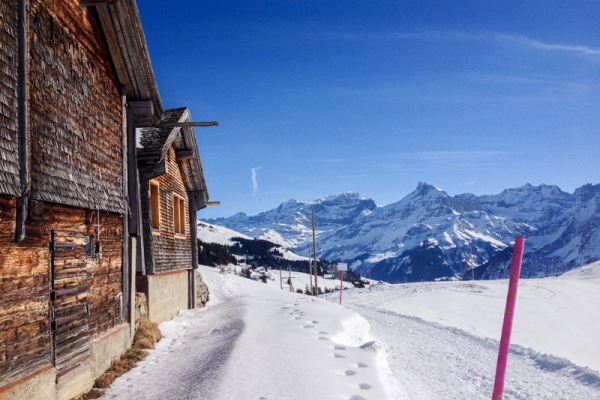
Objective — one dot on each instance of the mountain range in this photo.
(429, 235)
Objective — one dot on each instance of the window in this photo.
(154, 205)
(179, 214)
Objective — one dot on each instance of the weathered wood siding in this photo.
(24, 300)
(9, 163)
(171, 251)
(25, 282)
(75, 109)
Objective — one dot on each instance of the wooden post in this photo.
(192, 209)
(315, 254)
(132, 175)
(511, 299)
(280, 279)
(128, 287)
(341, 285)
(23, 119)
(290, 278)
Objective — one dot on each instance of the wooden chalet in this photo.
(172, 190)
(76, 85)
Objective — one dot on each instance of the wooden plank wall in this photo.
(25, 282)
(9, 163)
(75, 109)
(24, 300)
(171, 252)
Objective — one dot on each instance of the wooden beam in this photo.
(147, 240)
(132, 176)
(23, 119)
(194, 240)
(198, 199)
(181, 155)
(151, 171)
(93, 3)
(142, 112)
(185, 124)
(126, 284)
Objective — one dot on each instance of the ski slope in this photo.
(416, 341)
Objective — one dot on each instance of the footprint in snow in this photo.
(339, 347)
(309, 326)
(357, 397)
(336, 355)
(362, 365)
(364, 386)
(323, 338)
(323, 333)
(350, 373)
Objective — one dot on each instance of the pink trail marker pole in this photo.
(341, 285)
(511, 300)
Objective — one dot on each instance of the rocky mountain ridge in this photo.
(430, 235)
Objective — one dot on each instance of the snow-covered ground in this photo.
(415, 341)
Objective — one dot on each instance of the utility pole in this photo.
(310, 271)
(315, 253)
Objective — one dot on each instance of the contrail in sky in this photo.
(254, 182)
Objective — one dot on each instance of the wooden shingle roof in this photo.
(154, 144)
(122, 28)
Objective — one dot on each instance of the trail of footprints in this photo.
(293, 313)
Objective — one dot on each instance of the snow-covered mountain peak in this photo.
(344, 198)
(431, 235)
(587, 192)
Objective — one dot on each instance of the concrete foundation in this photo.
(42, 385)
(167, 295)
(39, 385)
(105, 349)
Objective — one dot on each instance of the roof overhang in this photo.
(126, 42)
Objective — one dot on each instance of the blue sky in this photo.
(323, 97)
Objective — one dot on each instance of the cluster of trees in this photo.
(262, 253)
(214, 254)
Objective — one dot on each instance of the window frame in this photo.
(179, 215)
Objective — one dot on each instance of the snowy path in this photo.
(398, 342)
(188, 362)
(258, 342)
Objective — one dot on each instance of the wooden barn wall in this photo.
(171, 252)
(75, 109)
(25, 283)
(9, 163)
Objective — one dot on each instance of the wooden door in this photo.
(70, 252)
